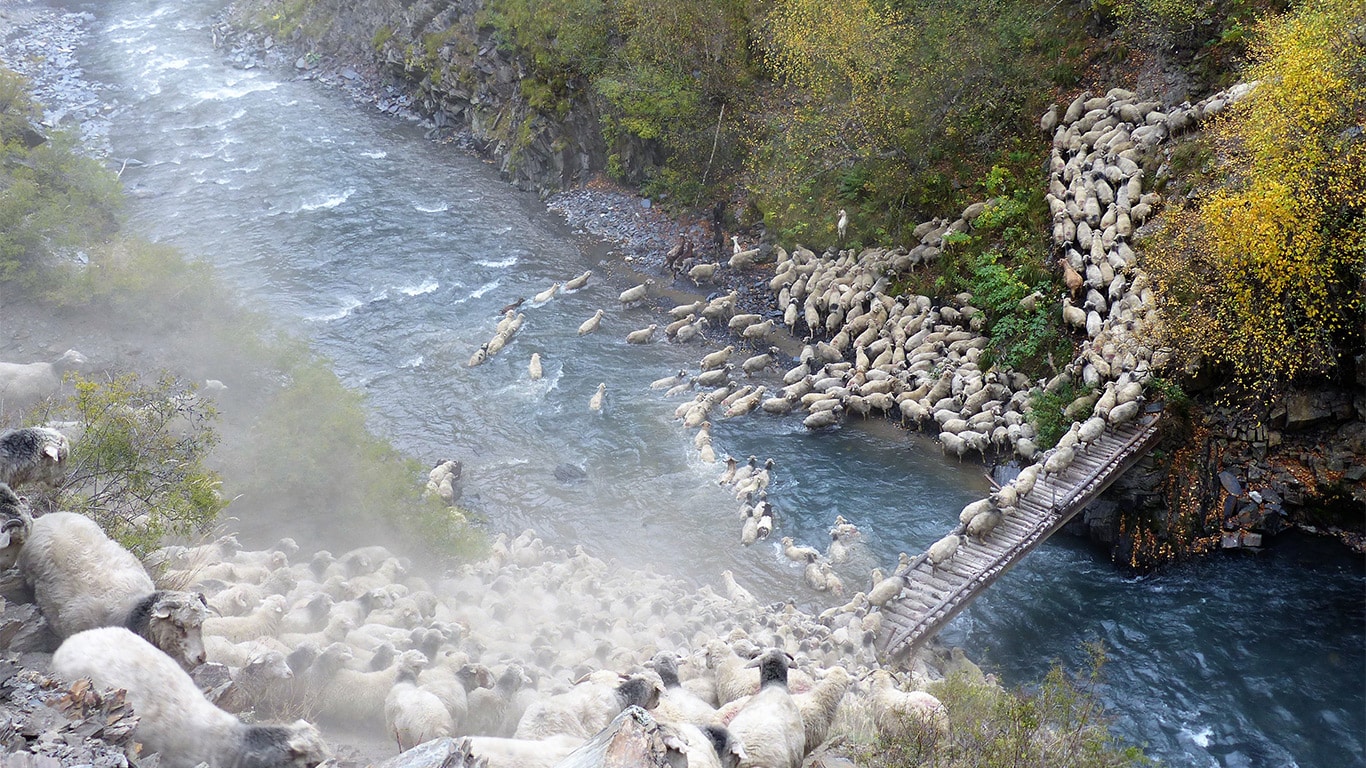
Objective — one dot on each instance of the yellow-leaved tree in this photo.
(1267, 276)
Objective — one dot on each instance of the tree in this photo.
(1266, 274)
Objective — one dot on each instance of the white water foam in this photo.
(508, 262)
(235, 91)
(428, 286)
(415, 362)
(351, 306)
(377, 154)
(437, 208)
(331, 201)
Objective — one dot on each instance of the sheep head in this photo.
(174, 623)
(305, 746)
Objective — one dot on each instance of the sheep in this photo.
(707, 746)
(262, 622)
(799, 553)
(174, 718)
(493, 712)
(677, 704)
(15, 524)
(818, 706)
(451, 679)
(412, 715)
(534, 369)
(522, 753)
(637, 293)
(546, 295)
(595, 402)
(23, 384)
(256, 682)
(33, 455)
(586, 708)
(347, 695)
(591, 324)
(902, 714)
(81, 579)
(770, 725)
(941, 551)
(643, 335)
(578, 282)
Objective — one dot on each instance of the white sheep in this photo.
(770, 725)
(678, 704)
(174, 718)
(819, 704)
(33, 455)
(15, 524)
(412, 715)
(902, 714)
(260, 680)
(708, 746)
(586, 708)
(82, 579)
(264, 621)
(23, 384)
(522, 753)
(347, 695)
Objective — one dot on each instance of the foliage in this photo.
(562, 40)
(1265, 274)
(138, 467)
(1000, 262)
(313, 458)
(52, 199)
(1060, 723)
(914, 96)
(1047, 413)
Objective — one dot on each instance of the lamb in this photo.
(33, 455)
(81, 580)
(15, 524)
(901, 714)
(262, 622)
(770, 726)
(412, 715)
(175, 720)
(23, 384)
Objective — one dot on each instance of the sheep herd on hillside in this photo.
(530, 652)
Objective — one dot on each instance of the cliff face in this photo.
(457, 76)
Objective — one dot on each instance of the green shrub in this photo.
(138, 467)
(1060, 724)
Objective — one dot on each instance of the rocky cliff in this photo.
(450, 71)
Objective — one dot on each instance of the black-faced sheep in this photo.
(770, 725)
(33, 455)
(15, 523)
(23, 384)
(175, 720)
(82, 579)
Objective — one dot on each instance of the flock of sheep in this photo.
(530, 652)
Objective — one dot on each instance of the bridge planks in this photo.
(933, 596)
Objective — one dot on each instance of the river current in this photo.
(392, 255)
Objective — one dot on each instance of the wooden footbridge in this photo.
(934, 595)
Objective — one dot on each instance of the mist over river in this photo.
(392, 254)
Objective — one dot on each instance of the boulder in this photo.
(1302, 411)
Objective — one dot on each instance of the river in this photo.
(392, 254)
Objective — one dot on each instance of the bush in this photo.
(138, 467)
(1060, 724)
(1264, 275)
